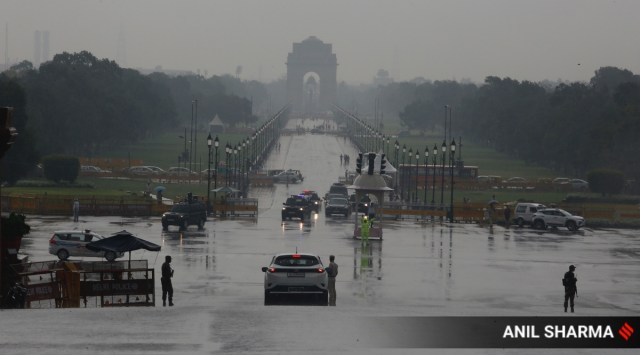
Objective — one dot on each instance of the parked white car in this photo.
(557, 217)
(523, 213)
(68, 243)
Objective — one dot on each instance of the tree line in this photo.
(77, 104)
(572, 128)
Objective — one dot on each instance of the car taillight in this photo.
(271, 269)
(52, 240)
(320, 270)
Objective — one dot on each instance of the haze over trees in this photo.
(77, 104)
(80, 105)
(572, 128)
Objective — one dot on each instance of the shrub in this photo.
(603, 181)
(58, 168)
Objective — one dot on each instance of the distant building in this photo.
(216, 125)
(40, 48)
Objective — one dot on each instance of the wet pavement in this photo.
(419, 269)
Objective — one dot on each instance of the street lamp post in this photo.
(404, 150)
(235, 166)
(395, 162)
(452, 154)
(388, 145)
(216, 143)
(435, 162)
(409, 177)
(227, 165)
(209, 144)
(417, 162)
(444, 153)
(426, 172)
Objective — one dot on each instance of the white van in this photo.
(523, 213)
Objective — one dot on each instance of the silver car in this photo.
(298, 274)
(68, 243)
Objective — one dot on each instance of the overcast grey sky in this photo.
(439, 39)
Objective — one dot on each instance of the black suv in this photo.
(185, 214)
(297, 206)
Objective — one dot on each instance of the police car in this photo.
(66, 243)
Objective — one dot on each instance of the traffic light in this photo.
(359, 164)
(372, 161)
(383, 164)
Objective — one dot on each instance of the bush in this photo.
(58, 168)
(603, 181)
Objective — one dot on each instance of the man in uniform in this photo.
(167, 287)
(570, 289)
(332, 271)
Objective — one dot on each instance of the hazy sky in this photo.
(439, 39)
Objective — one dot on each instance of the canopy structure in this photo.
(121, 242)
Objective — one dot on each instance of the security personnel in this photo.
(332, 271)
(165, 280)
(570, 289)
(364, 228)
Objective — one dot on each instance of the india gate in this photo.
(311, 76)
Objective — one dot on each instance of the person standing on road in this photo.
(570, 289)
(507, 216)
(340, 159)
(332, 271)
(167, 287)
(76, 209)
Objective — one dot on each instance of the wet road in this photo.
(424, 269)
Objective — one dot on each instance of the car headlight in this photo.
(284, 208)
(301, 209)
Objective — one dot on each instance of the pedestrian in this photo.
(570, 289)
(165, 280)
(371, 210)
(507, 216)
(332, 271)
(76, 209)
(340, 159)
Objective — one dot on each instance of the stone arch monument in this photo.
(318, 93)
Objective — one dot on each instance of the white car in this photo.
(140, 170)
(556, 217)
(524, 211)
(180, 171)
(298, 274)
(68, 243)
(579, 184)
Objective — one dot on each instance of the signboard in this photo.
(115, 287)
(42, 291)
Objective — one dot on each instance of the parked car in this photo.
(289, 176)
(523, 213)
(296, 206)
(185, 214)
(156, 169)
(91, 169)
(560, 181)
(180, 171)
(338, 205)
(515, 179)
(295, 274)
(66, 243)
(557, 217)
(579, 184)
(140, 170)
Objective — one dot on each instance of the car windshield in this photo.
(180, 208)
(296, 260)
(296, 201)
